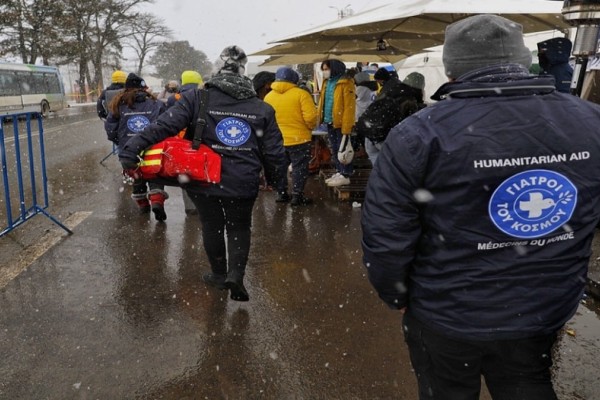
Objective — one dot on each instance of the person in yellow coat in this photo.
(337, 105)
(296, 116)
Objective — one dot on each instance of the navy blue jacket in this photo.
(132, 121)
(554, 60)
(240, 127)
(480, 211)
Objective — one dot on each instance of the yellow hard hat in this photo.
(119, 77)
(191, 77)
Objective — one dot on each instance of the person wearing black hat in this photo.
(129, 113)
(479, 215)
(242, 129)
(262, 83)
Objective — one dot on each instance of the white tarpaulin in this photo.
(410, 26)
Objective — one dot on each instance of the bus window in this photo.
(9, 85)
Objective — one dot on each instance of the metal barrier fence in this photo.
(25, 174)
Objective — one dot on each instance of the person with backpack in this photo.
(396, 101)
(118, 79)
(130, 112)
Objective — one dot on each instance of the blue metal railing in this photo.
(27, 191)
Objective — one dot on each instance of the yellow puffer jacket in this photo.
(295, 112)
(344, 104)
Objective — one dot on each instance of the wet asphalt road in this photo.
(118, 309)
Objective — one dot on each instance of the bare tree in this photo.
(111, 21)
(147, 33)
(30, 29)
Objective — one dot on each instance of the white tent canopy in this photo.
(430, 63)
(408, 27)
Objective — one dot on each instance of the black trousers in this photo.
(450, 369)
(299, 156)
(226, 227)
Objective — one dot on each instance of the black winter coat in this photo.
(102, 104)
(240, 127)
(481, 208)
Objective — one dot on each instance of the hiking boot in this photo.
(157, 199)
(282, 197)
(215, 280)
(237, 288)
(300, 200)
(142, 202)
(341, 180)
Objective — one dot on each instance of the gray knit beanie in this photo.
(483, 40)
(415, 80)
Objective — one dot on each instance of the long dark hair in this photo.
(336, 67)
(128, 97)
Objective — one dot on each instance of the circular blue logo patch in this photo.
(533, 203)
(137, 123)
(233, 131)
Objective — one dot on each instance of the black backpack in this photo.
(382, 115)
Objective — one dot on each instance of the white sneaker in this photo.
(332, 177)
(341, 180)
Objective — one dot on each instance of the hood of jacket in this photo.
(237, 86)
(282, 86)
(555, 51)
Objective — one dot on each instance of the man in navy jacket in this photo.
(479, 216)
(242, 129)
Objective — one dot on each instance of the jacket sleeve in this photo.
(111, 126)
(309, 111)
(272, 150)
(101, 106)
(390, 216)
(168, 124)
(349, 116)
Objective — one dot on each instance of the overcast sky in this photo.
(210, 26)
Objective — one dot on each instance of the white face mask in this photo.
(326, 74)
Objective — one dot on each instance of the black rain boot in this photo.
(300, 200)
(235, 283)
(215, 280)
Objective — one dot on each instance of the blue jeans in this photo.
(335, 139)
(451, 369)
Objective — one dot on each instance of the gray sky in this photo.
(210, 26)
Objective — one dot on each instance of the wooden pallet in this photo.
(354, 191)
(350, 192)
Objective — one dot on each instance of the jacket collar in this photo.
(496, 81)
